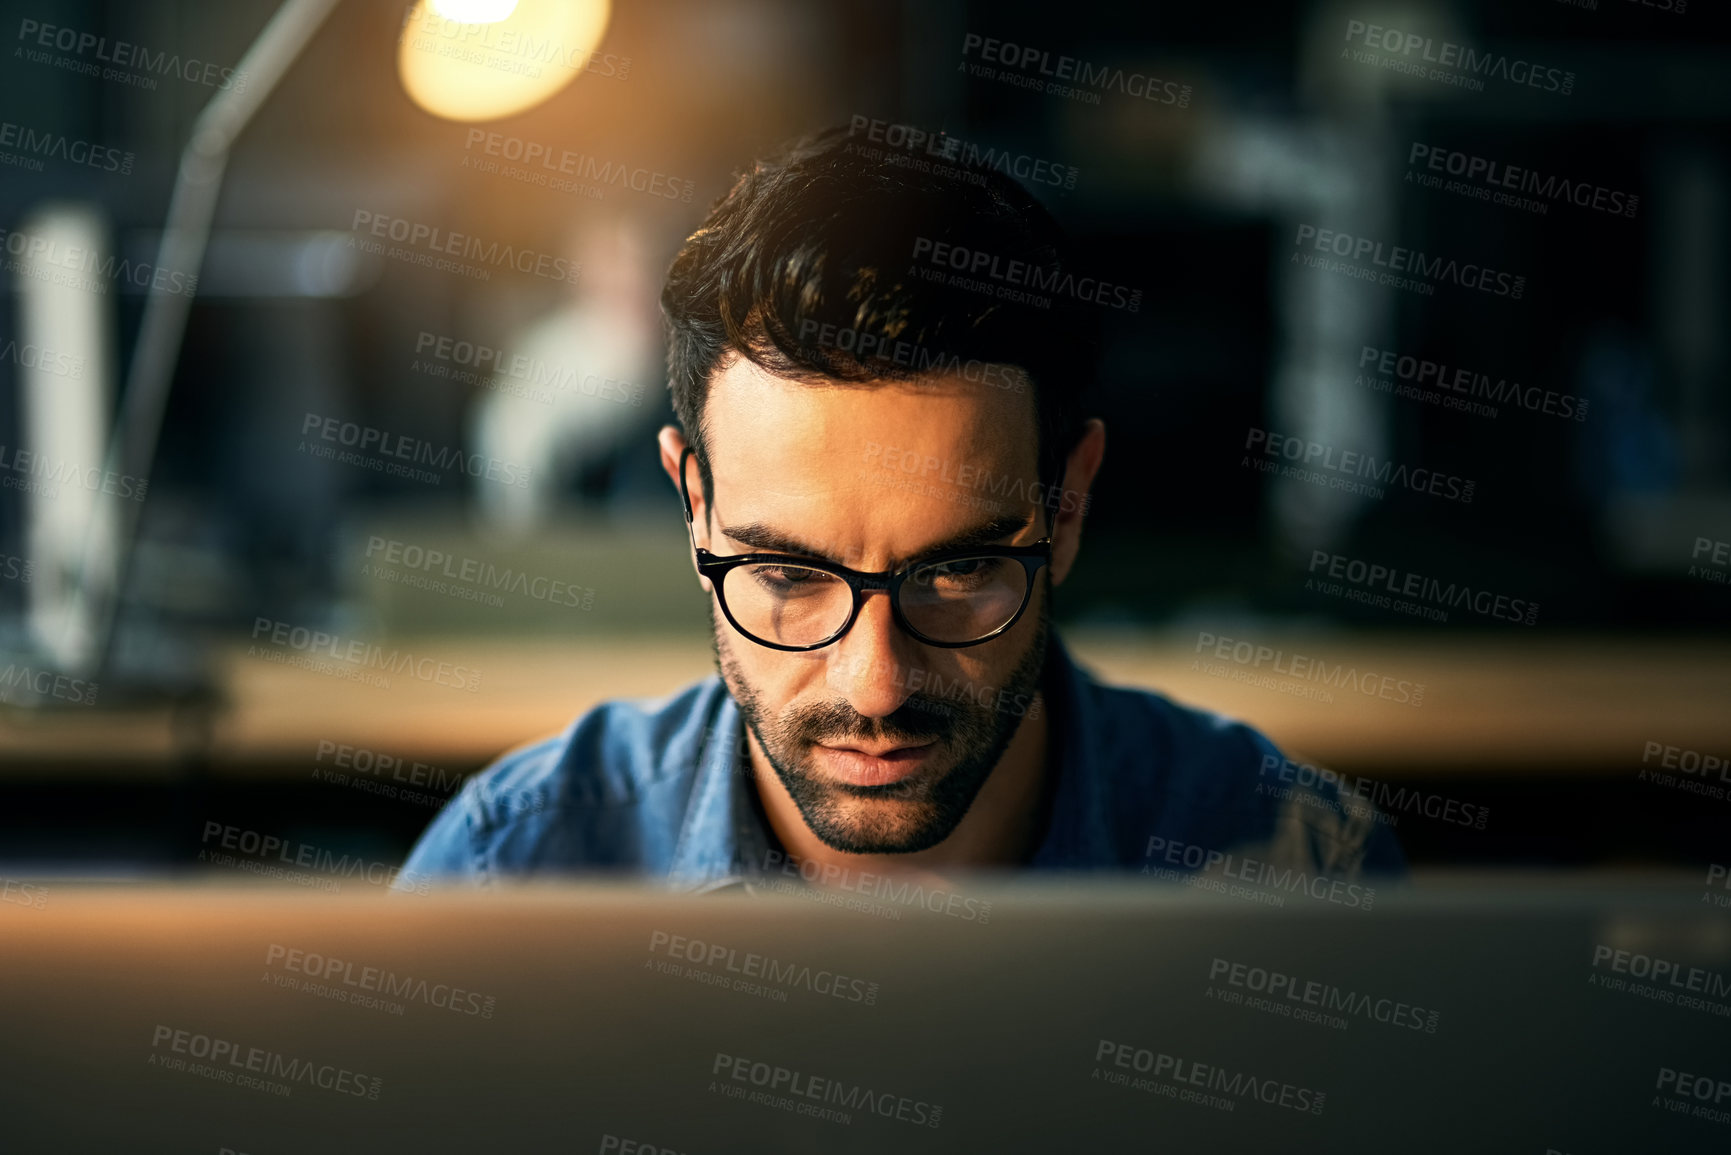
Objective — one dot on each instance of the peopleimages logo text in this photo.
(23, 897)
(366, 438)
(1454, 63)
(1700, 1088)
(564, 162)
(944, 147)
(257, 844)
(269, 1064)
(1377, 578)
(1385, 802)
(868, 345)
(1311, 992)
(475, 572)
(380, 980)
(1023, 275)
(1421, 376)
(799, 1085)
(930, 684)
(32, 356)
(883, 887)
(1656, 970)
(48, 260)
(489, 363)
(123, 54)
(500, 47)
(1352, 464)
(435, 242)
(1311, 669)
(51, 474)
(1038, 62)
(1498, 176)
(363, 655)
(45, 684)
(750, 964)
(972, 475)
(56, 146)
(1425, 270)
(1174, 1069)
(1696, 768)
(1174, 861)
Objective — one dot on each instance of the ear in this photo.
(1073, 498)
(672, 443)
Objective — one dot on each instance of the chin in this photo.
(877, 828)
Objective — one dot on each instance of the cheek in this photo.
(1002, 653)
(776, 684)
(774, 678)
(945, 676)
(992, 668)
(994, 664)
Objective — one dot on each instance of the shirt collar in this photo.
(721, 834)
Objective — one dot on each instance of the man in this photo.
(884, 470)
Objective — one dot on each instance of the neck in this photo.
(1001, 828)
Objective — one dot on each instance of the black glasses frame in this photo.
(716, 568)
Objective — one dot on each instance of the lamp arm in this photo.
(112, 535)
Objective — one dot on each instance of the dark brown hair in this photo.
(811, 267)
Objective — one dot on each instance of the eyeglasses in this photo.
(952, 598)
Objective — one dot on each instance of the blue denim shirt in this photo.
(664, 789)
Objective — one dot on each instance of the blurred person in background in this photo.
(596, 355)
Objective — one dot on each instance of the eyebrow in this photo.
(758, 535)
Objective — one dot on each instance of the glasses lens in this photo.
(965, 598)
(787, 605)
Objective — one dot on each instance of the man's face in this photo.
(883, 742)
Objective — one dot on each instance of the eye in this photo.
(789, 579)
(965, 573)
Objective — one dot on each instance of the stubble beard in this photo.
(902, 817)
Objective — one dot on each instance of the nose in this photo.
(870, 664)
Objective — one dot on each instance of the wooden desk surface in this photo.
(1584, 705)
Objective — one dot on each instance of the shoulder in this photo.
(1186, 782)
(609, 791)
(1186, 758)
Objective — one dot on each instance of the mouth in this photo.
(859, 765)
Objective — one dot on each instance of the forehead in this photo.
(870, 471)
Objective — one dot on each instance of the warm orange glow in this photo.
(474, 11)
(496, 67)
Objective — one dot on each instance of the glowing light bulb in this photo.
(474, 11)
(482, 59)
